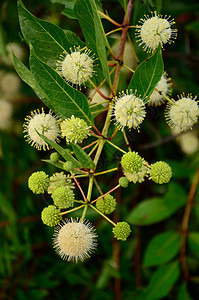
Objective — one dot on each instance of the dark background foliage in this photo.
(29, 267)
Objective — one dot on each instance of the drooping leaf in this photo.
(162, 281)
(48, 40)
(83, 157)
(162, 248)
(93, 31)
(183, 293)
(147, 74)
(63, 152)
(66, 100)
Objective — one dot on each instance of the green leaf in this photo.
(2, 41)
(28, 78)
(162, 281)
(193, 242)
(48, 40)
(161, 249)
(147, 74)
(154, 210)
(93, 31)
(66, 100)
(83, 157)
(123, 4)
(183, 292)
(63, 152)
(56, 164)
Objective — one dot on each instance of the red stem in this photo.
(77, 183)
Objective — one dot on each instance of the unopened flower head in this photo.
(121, 231)
(181, 115)
(131, 162)
(59, 179)
(38, 182)
(75, 130)
(63, 197)
(76, 67)
(50, 215)
(107, 204)
(5, 114)
(160, 172)
(140, 175)
(75, 240)
(129, 110)
(154, 30)
(46, 124)
(163, 88)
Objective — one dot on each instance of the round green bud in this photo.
(54, 157)
(121, 231)
(131, 162)
(50, 215)
(106, 205)
(63, 197)
(160, 172)
(123, 181)
(68, 166)
(38, 182)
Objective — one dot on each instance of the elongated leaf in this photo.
(83, 157)
(93, 31)
(63, 152)
(63, 97)
(154, 210)
(162, 248)
(147, 74)
(193, 242)
(162, 281)
(56, 164)
(48, 40)
(183, 292)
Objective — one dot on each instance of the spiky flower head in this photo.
(50, 215)
(160, 172)
(76, 67)
(155, 30)
(107, 204)
(131, 162)
(38, 182)
(54, 157)
(68, 166)
(63, 197)
(181, 115)
(46, 124)
(140, 175)
(123, 181)
(75, 240)
(75, 130)
(129, 110)
(121, 231)
(5, 114)
(59, 179)
(163, 88)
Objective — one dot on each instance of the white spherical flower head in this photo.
(129, 110)
(75, 240)
(155, 30)
(76, 67)
(5, 114)
(163, 88)
(188, 142)
(181, 115)
(10, 84)
(46, 124)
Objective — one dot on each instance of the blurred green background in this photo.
(29, 266)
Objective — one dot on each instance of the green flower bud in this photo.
(131, 162)
(106, 205)
(68, 166)
(121, 231)
(38, 182)
(50, 215)
(54, 157)
(63, 197)
(59, 179)
(123, 181)
(160, 172)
